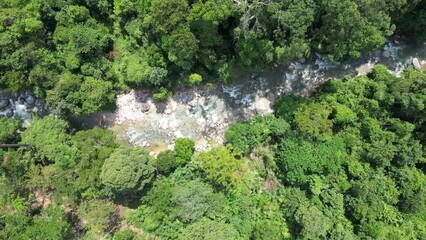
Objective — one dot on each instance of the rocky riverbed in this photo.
(203, 114)
(20, 106)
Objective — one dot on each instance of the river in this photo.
(203, 114)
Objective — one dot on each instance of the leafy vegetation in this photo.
(347, 163)
(78, 54)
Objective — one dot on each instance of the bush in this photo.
(194, 79)
(286, 106)
(166, 162)
(8, 130)
(184, 148)
(161, 94)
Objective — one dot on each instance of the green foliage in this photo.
(244, 136)
(221, 167)
(127, 170)
(298, 159)
(124, 235)
(85, 39)
(411, 183)
(192, 200)
(271, 223)
(343, 114)
(294, 19)
(157, 211)
(133, 65)
(209, 230)
(314, 223)
(194, 79)
(286, 106)
(313, 119)
(14, 225)
(161, 94)
(52, 223)
(184, 148)
(175, 201)
(166, 162)
(350, 165)
(80, 96)
(153, 42)
(51, 141)
(167, 15)
(97, 217)
(15, 167)
(95, 146)
(8, 130)
(183, 47)
(253, 49)
(96, 94)
(347, 31)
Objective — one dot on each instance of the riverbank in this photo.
(203, 114)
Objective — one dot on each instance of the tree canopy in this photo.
(127, 170)
(347, 163)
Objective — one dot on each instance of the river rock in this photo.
(39, 103)
(271, 97)
(184, 98)
(3, 103)
(215, 118)
(416, 63)
(262, 106)
(21, 100)
(145, 107)
(386, 54)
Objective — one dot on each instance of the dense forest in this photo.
(347, 163)
(77, 53)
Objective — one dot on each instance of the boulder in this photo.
(416, 63)
(4, 103)
(386, 54)
(145, 107)
(184, 98)
(39, 103)
(271, 97)
(262, 106)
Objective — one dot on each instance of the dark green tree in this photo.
(127, 170)
(184, 148)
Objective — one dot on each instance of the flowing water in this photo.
(204, 114)
(19, 106)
